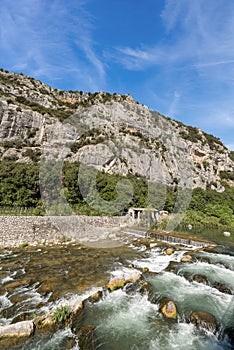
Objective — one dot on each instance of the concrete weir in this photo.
(168, 238)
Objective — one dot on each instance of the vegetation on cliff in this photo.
(20, 187)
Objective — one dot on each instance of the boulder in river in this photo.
(145, 269)
(15, 334)
(120, 282)
(147, 288)
(169, 251)
(204, 320)
(222, 288)
(86, 338)
(153, 245)
(19, 329)
(77, 313)
(200, 278)
(95, 297)
(186, 258)
(169, 310)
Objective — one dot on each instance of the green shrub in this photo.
(232, 155)
(62, 313)
(213, 141)
(227, 175)
(23, 245)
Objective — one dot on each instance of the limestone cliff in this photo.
(113, 133)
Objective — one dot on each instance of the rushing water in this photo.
(35, 280)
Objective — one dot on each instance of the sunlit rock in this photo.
(169, 251)
(186, 258)
(120, 282)
(169, 310)
(19, 329)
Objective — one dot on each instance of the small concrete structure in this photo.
(147, 215)
(227, 233)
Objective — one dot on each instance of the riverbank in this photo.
(18, 230)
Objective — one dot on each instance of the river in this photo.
(38, 279)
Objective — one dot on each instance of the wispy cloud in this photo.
(174, 104)
(50, 39)
(193, 56)
(202, 38)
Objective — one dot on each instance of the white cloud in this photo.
(41, 38)
(195, 57)
(137, 59)
(201, 37)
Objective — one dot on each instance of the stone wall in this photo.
(15, 230)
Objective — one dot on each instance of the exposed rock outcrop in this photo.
(113, 133)
(19, 329)
(15, 334)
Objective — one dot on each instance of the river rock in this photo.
(153, 245)
(76, 305)
(169, 309)
(223, 288)
(117, 283)
(45, 321)
(14, 336)
(77, 313)
(204, 260)
(94, 298)
(172, 267)
(204, 320)
(186, 258)
(19, 329)
(200, 278)
(145, 269)
(169, 251)
(86, 338)
(147, 288)
(131, 266)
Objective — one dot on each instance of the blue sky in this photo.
(175, 56)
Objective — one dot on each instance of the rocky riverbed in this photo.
(145, 295)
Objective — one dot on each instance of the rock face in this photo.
(113, 133)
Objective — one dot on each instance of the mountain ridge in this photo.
(111, 132)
